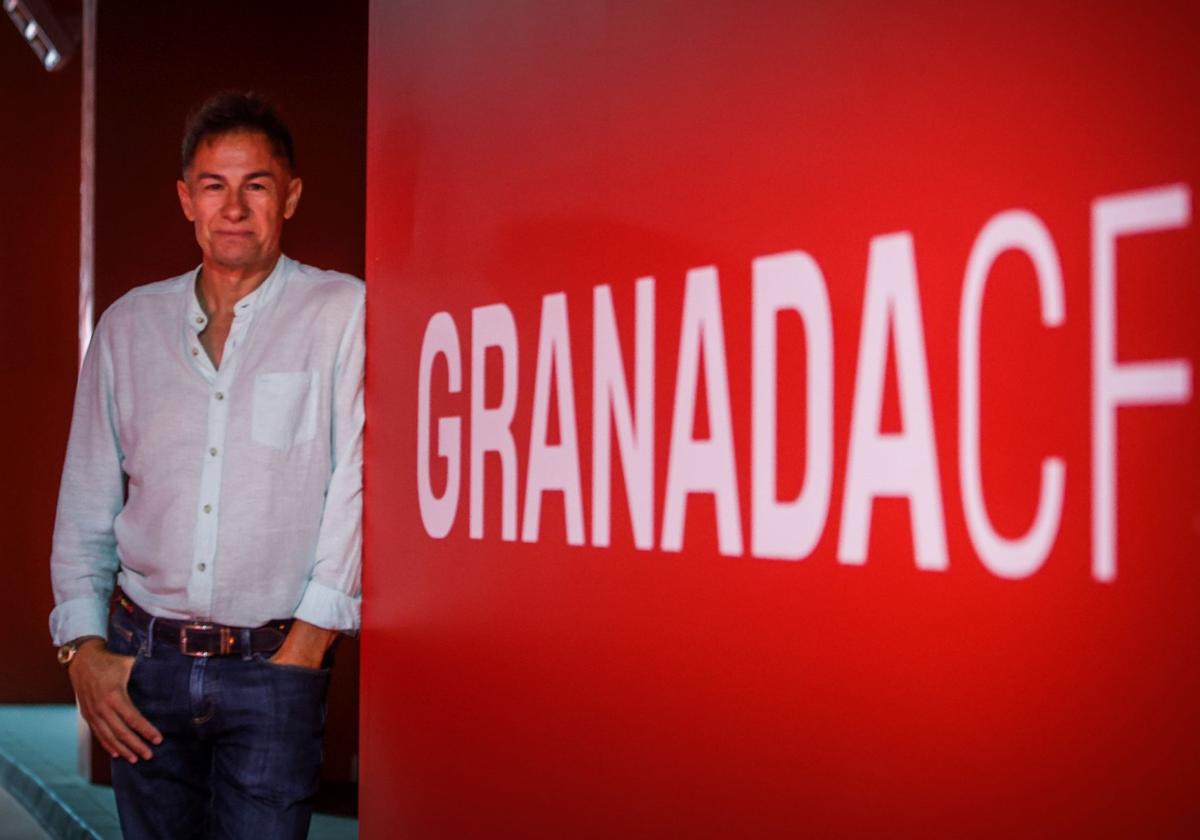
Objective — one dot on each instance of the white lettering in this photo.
(553, 467)
(1020, 557)
(437, 514)
(895, 464)
(610, 401)
(1114, 384)
(702, 466)
(491, 428)
(790, 530)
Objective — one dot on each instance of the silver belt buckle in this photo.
(225, 645)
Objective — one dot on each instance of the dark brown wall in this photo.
(155, 63)
(39, 275)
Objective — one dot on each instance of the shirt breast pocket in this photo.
(285, 408)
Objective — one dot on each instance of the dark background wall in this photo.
(39, 275)
(155, 62)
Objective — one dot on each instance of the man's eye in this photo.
(256, 186)
(212, 186)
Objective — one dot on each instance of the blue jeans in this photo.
(241, 746)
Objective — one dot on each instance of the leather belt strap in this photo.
(206, 638)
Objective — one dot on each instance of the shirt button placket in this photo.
(205, 547)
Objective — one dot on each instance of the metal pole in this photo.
(87, 179)
(87, 289)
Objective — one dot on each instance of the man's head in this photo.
(239, 182)
(232, 113)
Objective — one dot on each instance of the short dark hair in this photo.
(230, 112)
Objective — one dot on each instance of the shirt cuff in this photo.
(328, 608)
(79, 617)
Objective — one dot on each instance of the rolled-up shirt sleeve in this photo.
(332, 596)
(83, 561)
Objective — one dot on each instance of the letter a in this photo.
(702, 466)
(900, 464)
(553, 467)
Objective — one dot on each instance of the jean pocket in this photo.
(265, 659)
(285, 408)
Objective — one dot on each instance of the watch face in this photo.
(65, 653)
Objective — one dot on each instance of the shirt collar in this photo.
(264, 293)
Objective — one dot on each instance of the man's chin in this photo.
(239, 259)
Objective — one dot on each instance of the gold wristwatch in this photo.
(67, 652)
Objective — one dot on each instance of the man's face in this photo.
(237, 194)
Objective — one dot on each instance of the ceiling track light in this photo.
(51, 41)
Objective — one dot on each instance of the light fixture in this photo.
(52, 42)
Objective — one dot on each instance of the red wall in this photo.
(527, 687)
(39, 273)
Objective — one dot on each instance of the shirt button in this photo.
(208, 508)
(201, 566)
(199, 319)
(213, 452)
(195, 351)
(219, 395)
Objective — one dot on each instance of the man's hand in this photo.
(304, 645)
(100, 679)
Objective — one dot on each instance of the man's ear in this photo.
(294, 188)
(185, 200)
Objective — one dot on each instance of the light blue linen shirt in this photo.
(231, 495)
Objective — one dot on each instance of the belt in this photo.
(206, 638)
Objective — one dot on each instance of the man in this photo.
(214, 469)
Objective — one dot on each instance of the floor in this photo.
(42, 794)
(16, 823)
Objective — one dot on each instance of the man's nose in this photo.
(234, 207)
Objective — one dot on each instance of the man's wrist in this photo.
(68, 651)
(306, 644)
